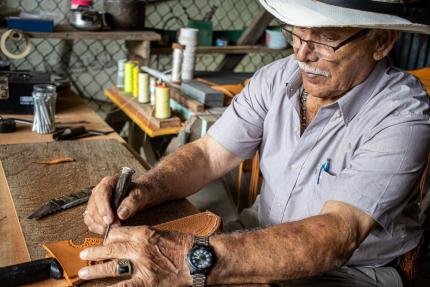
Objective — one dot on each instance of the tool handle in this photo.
(122, 188)
(30, 272)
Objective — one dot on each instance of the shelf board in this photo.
(67, 32)
(225, 50)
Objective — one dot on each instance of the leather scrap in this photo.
(55, 161)
(67, 253)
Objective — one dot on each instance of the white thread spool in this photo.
(188, 63)
(152, 84)
(144, 94)
(188, 36)
(120, 73)
(177, 62)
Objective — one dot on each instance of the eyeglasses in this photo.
(323, 51)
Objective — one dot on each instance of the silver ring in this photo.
(123, 267)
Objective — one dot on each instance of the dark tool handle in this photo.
(30, 272)
(122, 188)
(69, 133)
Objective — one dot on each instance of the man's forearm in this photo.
(283, 252)
(187, 170)
(176, 176)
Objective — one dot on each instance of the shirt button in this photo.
(296, 129)
(279, 204)
(338, 114)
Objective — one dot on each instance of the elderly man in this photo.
(343, 138)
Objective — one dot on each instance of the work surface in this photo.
(31, 185)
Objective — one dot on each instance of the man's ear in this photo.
(385, 41)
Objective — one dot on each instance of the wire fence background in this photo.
(91, 64)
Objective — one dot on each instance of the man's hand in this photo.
(158, 257)
(99, 212)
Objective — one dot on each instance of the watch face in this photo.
(201, 258)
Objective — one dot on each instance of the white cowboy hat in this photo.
(412, 16)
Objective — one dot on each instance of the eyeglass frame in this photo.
(351, 38)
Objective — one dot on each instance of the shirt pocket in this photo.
(321, 192)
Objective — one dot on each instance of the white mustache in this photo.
(308, 69)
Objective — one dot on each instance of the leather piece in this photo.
(67, 253)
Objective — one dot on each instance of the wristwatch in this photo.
(200, 260)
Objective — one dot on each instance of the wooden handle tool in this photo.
(122, 189)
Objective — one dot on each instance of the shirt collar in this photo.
(351, 103)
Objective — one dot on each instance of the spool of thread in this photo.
(177, 62)
(188, 63)
(188, 36)
(128, 77)
(162, 102)
(136, 72)
(152, 84)
(144, 94)
(120, 74)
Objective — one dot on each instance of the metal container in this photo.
(87, 19)
(125, 14)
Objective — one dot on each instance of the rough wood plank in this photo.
(10, 230)
(94, 160)
(188, 102)
(249, 37)
(69, 33)
(171, 122)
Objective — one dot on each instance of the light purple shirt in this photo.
(376, 138)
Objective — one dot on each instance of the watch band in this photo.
(199, 280)
(201, 240)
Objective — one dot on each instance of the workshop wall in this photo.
(91, 64)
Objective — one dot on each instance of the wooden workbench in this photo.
(18, 149)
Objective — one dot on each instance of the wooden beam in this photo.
(249, 37)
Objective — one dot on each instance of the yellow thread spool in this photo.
(136, 71)
(162, 102)
(128, 77)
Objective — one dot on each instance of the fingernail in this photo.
(83, 254)
(106, 220)
(123, 212)
(83, 273)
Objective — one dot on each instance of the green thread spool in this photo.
(128, 77)
(162, 102)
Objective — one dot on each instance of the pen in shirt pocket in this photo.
(326, 168)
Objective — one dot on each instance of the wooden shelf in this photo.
(225, 50)
(67, 32)
(136, 113)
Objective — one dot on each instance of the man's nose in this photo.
(305, 54)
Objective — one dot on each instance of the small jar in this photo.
(44, 100)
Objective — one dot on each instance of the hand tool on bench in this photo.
(62, 203)
(122, 189)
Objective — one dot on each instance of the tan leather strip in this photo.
(67, 253)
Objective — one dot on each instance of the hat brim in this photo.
(310, 13)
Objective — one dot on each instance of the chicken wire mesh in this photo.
(90, 65)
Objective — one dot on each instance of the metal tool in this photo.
(62, 203)
(122, 189)
(69, 133)
(30, 272)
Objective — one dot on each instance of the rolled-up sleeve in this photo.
(240, 128)
(384, 171)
